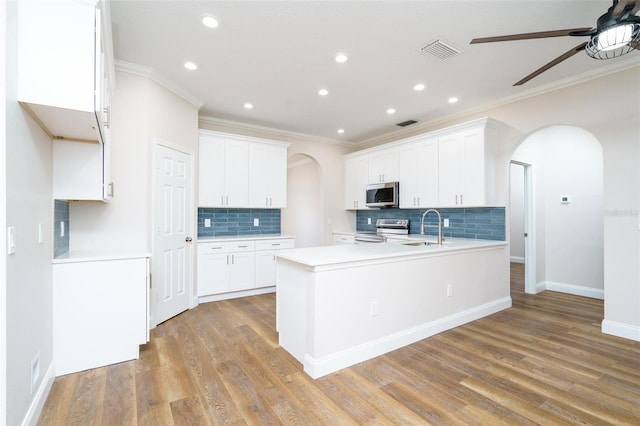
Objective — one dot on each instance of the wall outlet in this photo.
(35, 372)
(256, 222)
(449, 290)
(446, 222)
(207, 223)
(62, 228)
(40, 234)
(368, 221)
(565, 199)
(373, 308)
(11, 240)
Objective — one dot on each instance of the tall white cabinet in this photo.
(241, 172)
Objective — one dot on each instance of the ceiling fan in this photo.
(617, 32)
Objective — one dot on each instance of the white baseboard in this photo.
(322, 366)
(578, 290)
(33, 413)
(517, 259)
(236, 294)
(621, 330)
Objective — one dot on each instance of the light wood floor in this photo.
(544, 361)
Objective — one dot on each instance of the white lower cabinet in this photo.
(266, 260)
(231, 266)
(224, 267)
(99, 312)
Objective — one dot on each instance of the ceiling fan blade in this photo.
(553, 63)
(529, 36)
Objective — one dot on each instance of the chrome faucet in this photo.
(439, 224)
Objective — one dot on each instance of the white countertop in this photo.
(244, 237)
(100, 255)
(340, 254)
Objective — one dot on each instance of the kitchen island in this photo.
(341, 305)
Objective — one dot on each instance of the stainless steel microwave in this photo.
(383, 195)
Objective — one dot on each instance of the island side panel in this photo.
(365, 311)
(292, 307)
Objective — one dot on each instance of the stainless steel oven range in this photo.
(384, 228)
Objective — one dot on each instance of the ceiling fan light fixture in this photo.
(614, 42)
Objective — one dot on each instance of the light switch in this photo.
(40, 234)
(11, 240)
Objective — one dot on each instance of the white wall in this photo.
(568, 162)
(608, 108)
(28, 272)
(303, 215)
(516, 207)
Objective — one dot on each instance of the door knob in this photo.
(188, 239)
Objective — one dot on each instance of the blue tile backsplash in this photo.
(60, 214)
(486, 223)
(237, 222)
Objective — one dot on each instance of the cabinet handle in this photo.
(243, 246)
(107, 112)
(216, 248)
(111, 190)
(227, 200)
(456, 199)
(275, 244)
(222, 200)
(461, 202)
(266, 201)
(418, 201)
(270, 201)
(233, 259)
(227, 259)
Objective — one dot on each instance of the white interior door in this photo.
(173, 227)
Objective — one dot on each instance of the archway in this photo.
(303, 215)
(566, 171)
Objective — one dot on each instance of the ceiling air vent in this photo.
(406, 123)
(440, 49)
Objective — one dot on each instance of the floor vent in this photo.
(406, 123)
(440, 49)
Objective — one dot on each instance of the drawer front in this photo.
(226, 247)
(276, 244)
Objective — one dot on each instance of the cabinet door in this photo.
(236, 179)
(473, 180)
(213, 274)
(356, 179)
(211, 167)
(427, 173)
(383, 166)
(267, 176)
(450, 152)
(265, 268)
(241, 271)
(418, 174)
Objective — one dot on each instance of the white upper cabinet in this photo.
(240, 172)
(453, 167)
(461, 169)
(418, 174)
(223, 172)
(356, 179)
(267, 175)
(61, 67)
(383, 166)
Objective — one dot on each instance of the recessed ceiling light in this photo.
(419, 87)
(452, 100)
(341, 58)
(391, 111)
(341, 131)
(190, 66)
(323, 92)
(210, 21)
(248, 105)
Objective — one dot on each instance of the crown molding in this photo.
(538, 91)
(269, 132)
(150, 73)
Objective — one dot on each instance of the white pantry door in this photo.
(173, 213)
